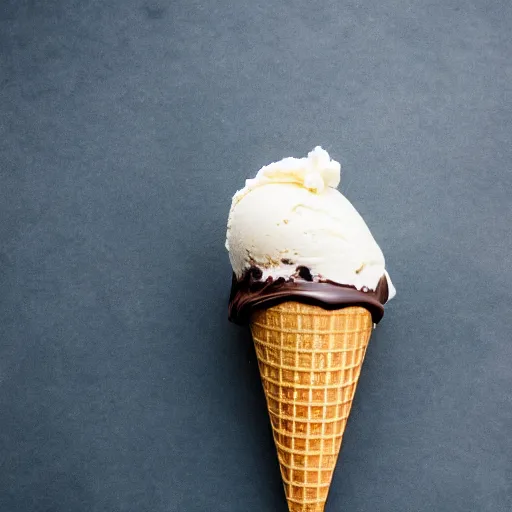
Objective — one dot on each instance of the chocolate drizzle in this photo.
(250, 293)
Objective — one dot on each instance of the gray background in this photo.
(125, 128)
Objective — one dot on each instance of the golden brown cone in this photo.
(309, 361)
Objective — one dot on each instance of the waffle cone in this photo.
(309, 361)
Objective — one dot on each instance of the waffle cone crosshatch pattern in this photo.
(309, 360)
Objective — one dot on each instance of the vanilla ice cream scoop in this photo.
(290, 222)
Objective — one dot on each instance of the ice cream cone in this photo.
(309, 361)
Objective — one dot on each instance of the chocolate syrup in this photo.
(251, 293)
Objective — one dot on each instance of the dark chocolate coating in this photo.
(250, 293)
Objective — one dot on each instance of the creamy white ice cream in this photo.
(291, 215)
